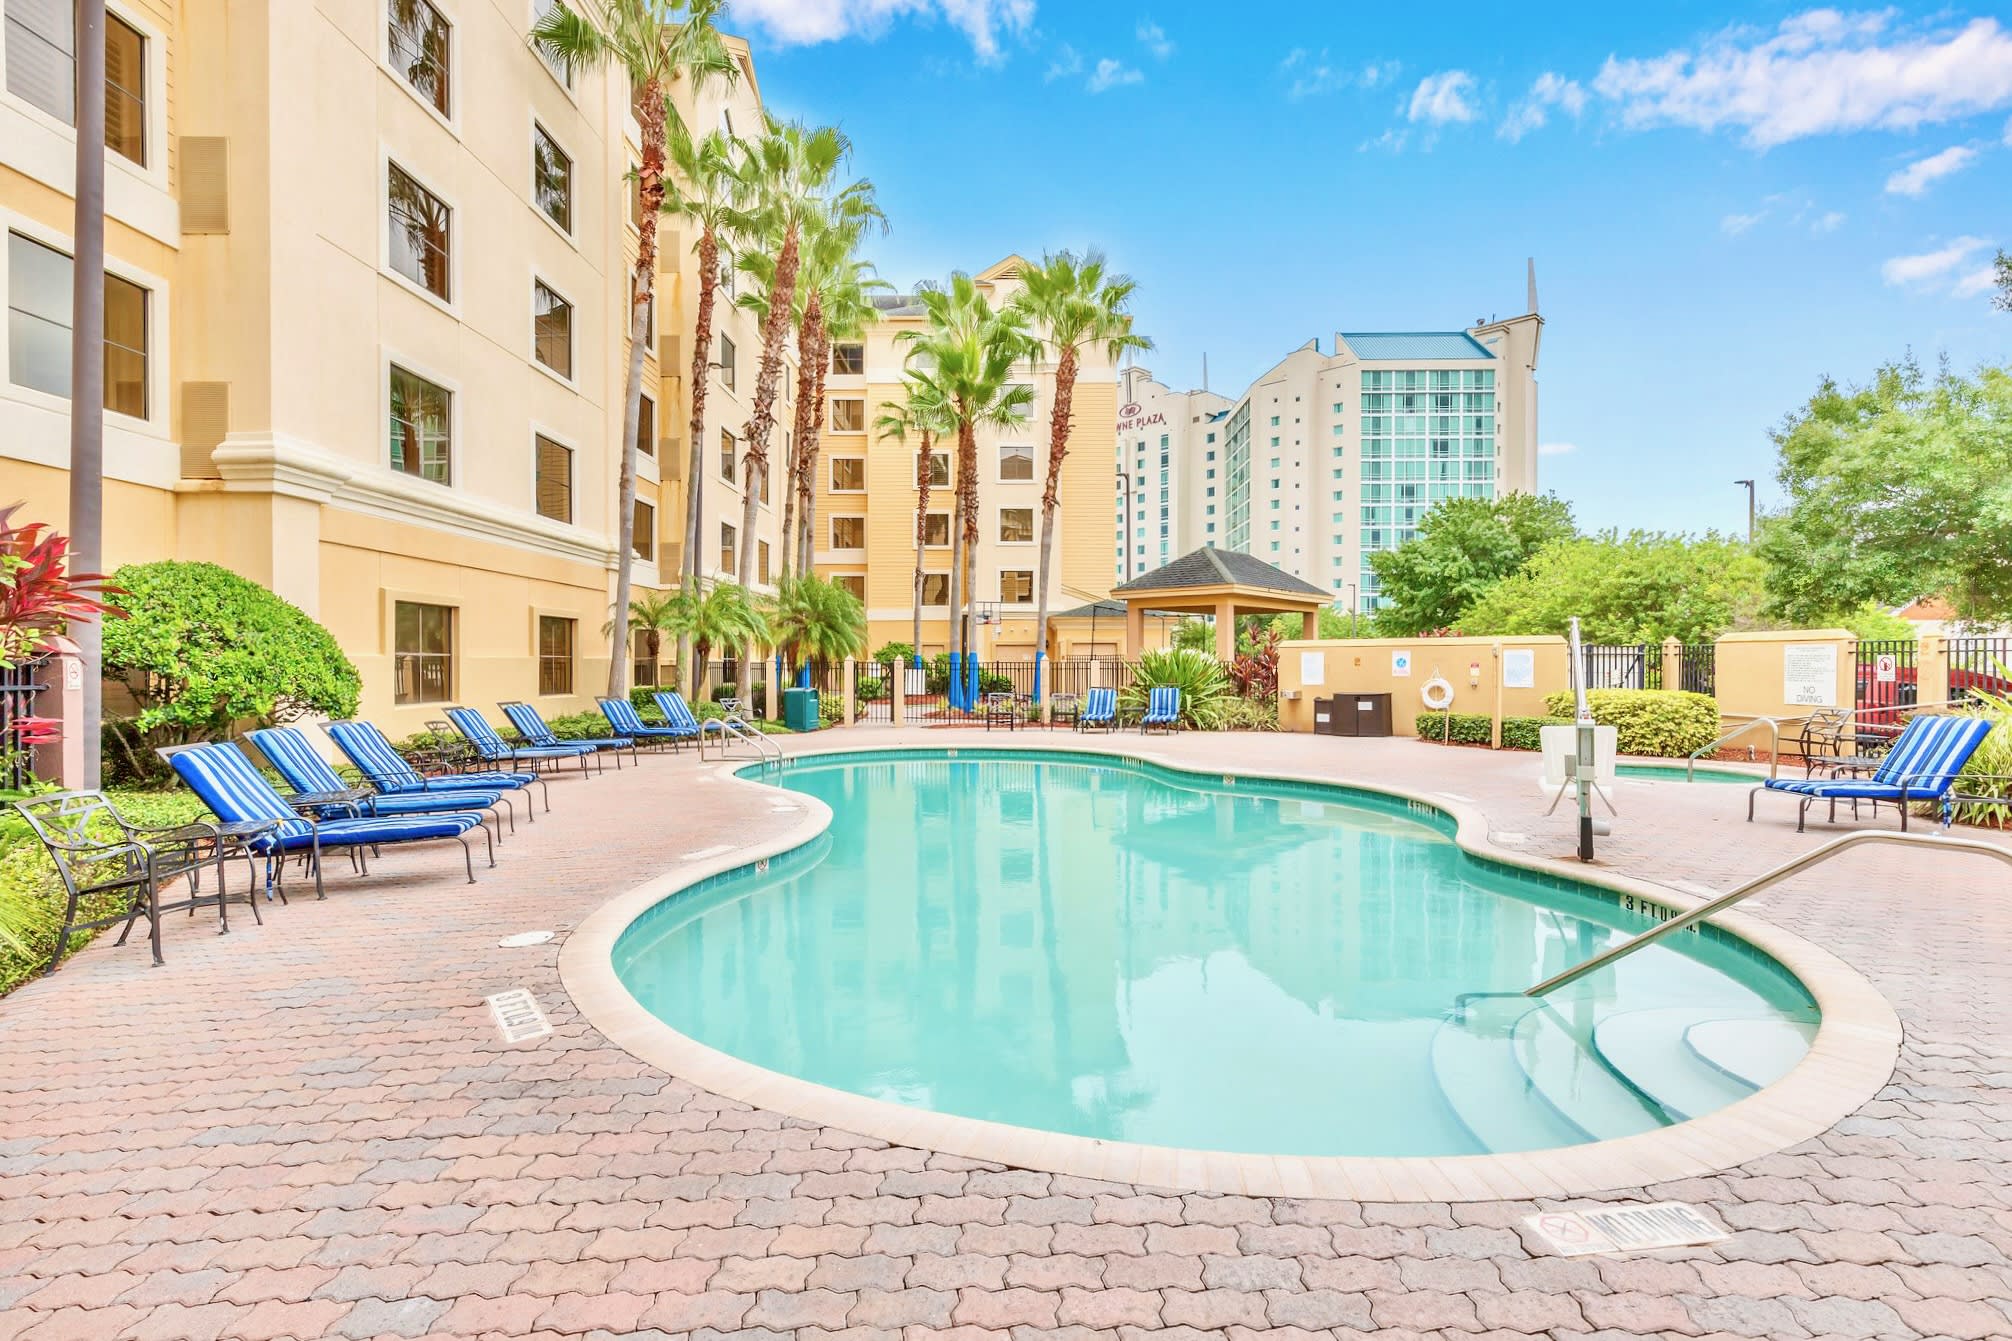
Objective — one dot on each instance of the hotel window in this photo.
(551, 178)
(848, 533)
(1016, 586)
(42, 69)
(555, 654)
(852, 583)
(560, 69)
(848, 360)
(939, 470)
(422, 652)
(936, 528)
(555, 479)
(416, 42)
(728, 553)
(729, 360)
(551, 330)
(644, 544)
(1026, 389)
(848, 416)
(635, 196)
(761, 561)
(39, 281)
(936, 588)
(421, 235)
(727, 446)
(1016, 525)
(848, 474)
(728, 277)
(421, 427)
(646, 427)
(1274, 421)
(1016, 463)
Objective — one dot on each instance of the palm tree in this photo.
(1070, 303)
(844, 311)
(719, 616)
(701, 195)
(784, 182)
(653, 44)
(971, 348)
(652, 614)
(817, 620)
(922, 412)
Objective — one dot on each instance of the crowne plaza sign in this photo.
(1131, 418)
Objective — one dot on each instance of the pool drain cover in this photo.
(524, 938)
(1616, 1229)
(518, 1016)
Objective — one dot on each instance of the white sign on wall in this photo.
(1400, 665)
(1886, 669)
(1312, 668)
(1519, 668)
(1809, 674)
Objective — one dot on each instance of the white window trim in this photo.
(158, 383)
(834, 474)
(451, 121)
(457, 416)
(1033, 527)
(568, 87)
(385, 159)
(572, 180)
(831, 528)
(541, 429)
(568, 380)
(999, 464)
(831, 414)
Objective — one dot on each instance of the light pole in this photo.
(1748, 485)
(1125, 519)
(1351, 609)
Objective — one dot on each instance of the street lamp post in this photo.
(1125, 519)
(1351, 609)
(1748, 485)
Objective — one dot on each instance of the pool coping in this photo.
(1852, 1058)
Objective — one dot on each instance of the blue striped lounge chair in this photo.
(237, 793)
(1163, 709)
(1921, 765)
(296, 761)
(626, 721)
(388, 771)
(672, 705)
(531, 726)
(493, 749)
(1100, 711)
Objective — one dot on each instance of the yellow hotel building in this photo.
(366, 332)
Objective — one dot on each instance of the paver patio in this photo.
(313, 1129)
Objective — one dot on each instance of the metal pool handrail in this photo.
(1813, 857)
(1775, 724)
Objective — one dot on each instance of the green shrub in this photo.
(888, 653)
(202, 650)
(1992, 763)
(1474, 728)
(989, 682)
(1248, 714)
(1665, 723)
(1204, 685)
(870, 688)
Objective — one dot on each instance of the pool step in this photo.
(1752, 1052)
(1649, 1050)
(1569, 1073)
(1474, 1063)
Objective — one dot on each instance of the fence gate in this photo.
(1621, 666)
(1886, 682)
(1697, 668)
(18, 686)
(1980, 666)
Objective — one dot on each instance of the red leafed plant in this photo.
(38, 595)
(1256, 671)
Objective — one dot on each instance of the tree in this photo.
(718, 616)
(701, 195)
(923, 412)
(1463, 547)
(652, 614)
(847, 312)
(817, 620)
(87, 363)
(783, 187)
(1069, 304)
(2002, 300)
(1898, 489)
(970, 348)
(652, 44)
(1641, 587)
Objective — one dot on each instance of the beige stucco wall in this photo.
(1750, 666)
(1473, 666)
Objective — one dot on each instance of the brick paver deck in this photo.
(313, 1129)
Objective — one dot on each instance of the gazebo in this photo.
(1224, 583)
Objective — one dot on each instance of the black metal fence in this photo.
(1697, 668)
(1979, 666)
(18, 686)
(1887, 676)
(1622, 666)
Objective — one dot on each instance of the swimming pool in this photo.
(1677, 773)
(1109, 949)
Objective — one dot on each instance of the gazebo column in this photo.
(1309, 625)
(1135, 630)
(1226, 629)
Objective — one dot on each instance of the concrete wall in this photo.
(1751, 667)
(1473, 666)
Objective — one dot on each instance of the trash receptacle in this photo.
(799, 709)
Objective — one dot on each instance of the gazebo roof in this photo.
(1212, 568)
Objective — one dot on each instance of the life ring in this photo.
(1437, 694)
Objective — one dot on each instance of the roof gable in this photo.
(1386, 346)
(1212, 567)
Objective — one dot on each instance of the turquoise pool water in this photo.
(1120, 951)
(1675, 773)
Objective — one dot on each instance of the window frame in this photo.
(451, 657)
(646, 427)
(1001, 522)
(393, 362)
(730, 548)
(563, 77)
(859, 371)
(831, 532)
(548, 661)
(567, 228)
(154, 294)
(449, 116)
(831, 420)
(730, 458)
(648, 554)
(929, 517)
(838, 488)
(942, 582)
(539, 439)
(1027, 573)
(999, 466)
(727, 362)
(387, 165)
(147, 42)
(841, 581)
(566, 374)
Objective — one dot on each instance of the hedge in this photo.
(1473, 728)
(1665, 723)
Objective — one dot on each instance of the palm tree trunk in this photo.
(953, 635)
(967, 466)
(761, 424)
(702, 345)
(806, 420)
(87, 368)
(650, 181)
(810, 443)
(921, 527)
(1051, 494)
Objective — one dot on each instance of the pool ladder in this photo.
(1814, 857)
(735, 731)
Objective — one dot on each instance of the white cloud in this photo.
(1312, 74)
(1556, 448)
(1939, 268)
(1068, 62)
(1443, 97)
(1976, 283)
(1829, 223)
(1378, 73)
(1111, 74)
(2008, 134)
(1922, 173)
(1533, 110)
(1154, 39)
(1732, 225)
(1819, 72)
(806, 22)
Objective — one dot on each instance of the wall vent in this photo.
(206, 414)
(205, 184)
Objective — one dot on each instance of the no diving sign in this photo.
(1615, 1229)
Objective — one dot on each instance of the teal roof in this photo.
(1395, 346)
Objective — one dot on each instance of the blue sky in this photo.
(1725, 203)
